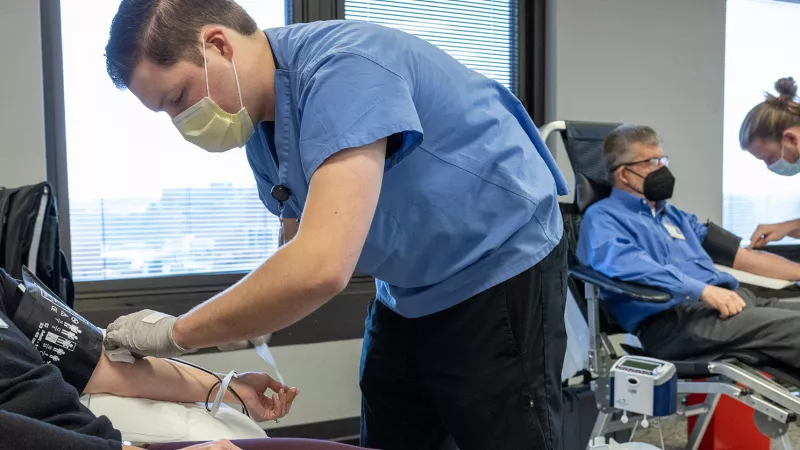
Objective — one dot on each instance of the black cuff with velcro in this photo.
(721, 244)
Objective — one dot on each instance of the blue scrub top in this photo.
(470, 199)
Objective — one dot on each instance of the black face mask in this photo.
(658, 184)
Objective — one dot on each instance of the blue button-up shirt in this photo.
(622, 238)
(470, 199)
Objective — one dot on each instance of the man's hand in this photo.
(727, 302)
(252, 388)
(146, 333)
(765, 234)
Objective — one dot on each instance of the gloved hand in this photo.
(147, 333)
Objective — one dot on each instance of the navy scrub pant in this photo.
(486, 372)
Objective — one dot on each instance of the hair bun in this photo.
(787, 88)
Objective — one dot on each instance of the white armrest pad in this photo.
(755, 280)
(148, 421)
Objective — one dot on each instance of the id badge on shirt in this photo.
(674, 232)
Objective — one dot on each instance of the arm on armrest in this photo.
(610, 248)
(635, 291)
(766, 264)
(160, 379)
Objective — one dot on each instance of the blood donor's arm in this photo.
(161, 379)
(766, 264)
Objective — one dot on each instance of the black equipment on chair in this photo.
(29, 236)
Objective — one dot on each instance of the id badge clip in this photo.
(674, 232)
(281, 194)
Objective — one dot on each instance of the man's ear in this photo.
(619, 176)
(215, 39)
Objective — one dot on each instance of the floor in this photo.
(675, 435)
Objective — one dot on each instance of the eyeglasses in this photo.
(653, 163)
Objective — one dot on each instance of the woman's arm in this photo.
(160, 379)
(765, 234)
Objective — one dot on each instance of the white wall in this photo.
(22, 155)
(651, 62)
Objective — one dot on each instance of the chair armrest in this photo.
(635, 291)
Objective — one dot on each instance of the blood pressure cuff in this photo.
(63, 337)
(721, 245)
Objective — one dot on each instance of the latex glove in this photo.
(118, 354)
(146, 333)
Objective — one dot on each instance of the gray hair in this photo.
(617, 146)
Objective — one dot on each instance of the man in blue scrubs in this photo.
(403, 164)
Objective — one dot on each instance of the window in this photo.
(142, 201)
(480, 34)
(758, 32)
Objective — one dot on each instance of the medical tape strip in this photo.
(223, 387)
(119, 354)
(264, 352)
(154, 317)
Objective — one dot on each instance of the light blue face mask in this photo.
(784, 167)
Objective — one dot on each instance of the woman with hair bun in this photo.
(771, 133)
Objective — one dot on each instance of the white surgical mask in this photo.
(212, 128)
(784, 167)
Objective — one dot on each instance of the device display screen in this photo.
(641, 365)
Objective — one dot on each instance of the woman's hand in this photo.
(765, 234)
(253, 386)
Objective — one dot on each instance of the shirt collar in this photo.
(277, 53)
(636, 203)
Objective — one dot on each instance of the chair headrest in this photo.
(588, 191)
(584, 144)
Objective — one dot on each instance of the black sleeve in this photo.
(23, 433)
(10, 294)
(38, 409)
(393, 144)
(721, 245)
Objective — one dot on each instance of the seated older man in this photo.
(635, 236)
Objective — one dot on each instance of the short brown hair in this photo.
(617, 145)
(770, 118)
(166, 31)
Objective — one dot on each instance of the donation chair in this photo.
(749, 377)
